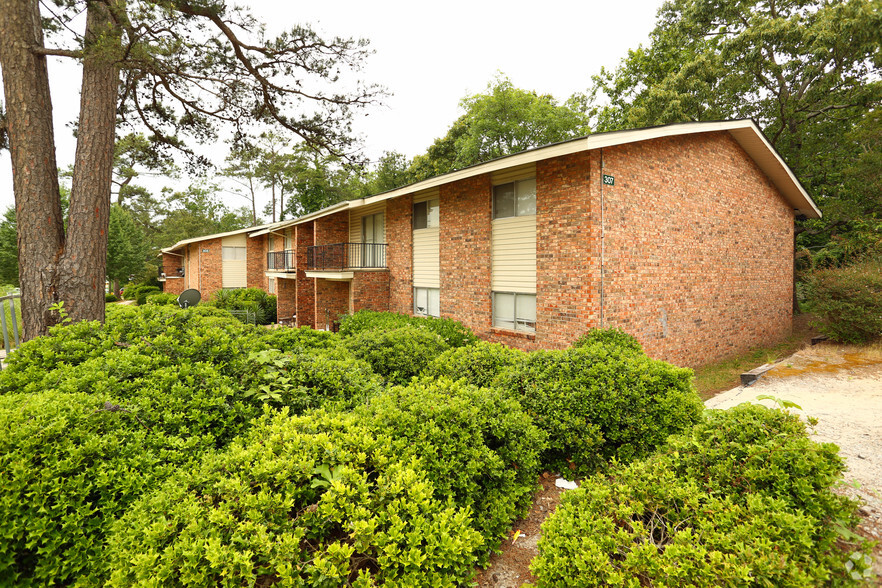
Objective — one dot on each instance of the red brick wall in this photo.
(170, 264)
(370, 290)
(286, 301)
(331, 302)
(256, 262)
(465, 252)
(210, 278)
(698, 248)
(333, 228)
(399, 254)
(565, 259)
(305, 305)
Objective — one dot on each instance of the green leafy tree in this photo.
(197, 211)
(501, 121)
(8, 249)
(178, 68)
(126, 246)
(391, 171)
(808, 71)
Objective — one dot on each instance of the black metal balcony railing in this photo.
(343, 256)
(281, 261)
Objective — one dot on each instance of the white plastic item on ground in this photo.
(565, 484)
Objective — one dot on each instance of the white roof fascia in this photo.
(775, 167)
(206, 237)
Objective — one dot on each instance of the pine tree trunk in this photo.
(82, 267)
(34, 170)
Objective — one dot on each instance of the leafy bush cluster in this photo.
(174, 446)
(453, 333)
(601, 401)
(163, 299)
(848, 301)
(110, 297)
(257, 301)
(744, 499)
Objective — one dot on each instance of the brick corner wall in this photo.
(399, 254)
(211, 278)
(331, 302)
(370, 291)
(255, 255)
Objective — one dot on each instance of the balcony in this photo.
(281, 261)
(346, 256)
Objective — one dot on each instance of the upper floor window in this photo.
(425, 214)
(514, 199)
(234, 253)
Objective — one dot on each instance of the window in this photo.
(425, 214)
(271, 286)
(516, 312)
(427, 302)
(234, 253)
(514, 199)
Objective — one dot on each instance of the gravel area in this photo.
(842, 388)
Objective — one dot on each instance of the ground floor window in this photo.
(427, 302)
(271, 285)
(514, 311)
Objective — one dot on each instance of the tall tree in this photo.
(197, 211)
(126, 246)
(501, 121)
(176, 67)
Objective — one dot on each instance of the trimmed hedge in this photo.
(610, 338)
(110, 297)
(848, 302)
(310, 501)
(163, 299)
(744, 499)
(598, 402)
(69, 465)
(301, 339)
(397, 354)
(479, 364)
(258, 301)
(478, 447)
(143, 292)
(454, 333)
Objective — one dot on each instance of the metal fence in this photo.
(246, 316)
(281, 261)
(9, 321)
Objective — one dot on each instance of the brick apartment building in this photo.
(681, 235)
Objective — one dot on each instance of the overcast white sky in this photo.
(430, 55)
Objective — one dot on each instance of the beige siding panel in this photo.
(424, 195)
(513, 174)
(235, 272)
(427, 258)
(355, 215)
(513, 255)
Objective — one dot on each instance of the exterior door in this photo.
(373, 233)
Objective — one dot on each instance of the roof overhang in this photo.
(745, 132)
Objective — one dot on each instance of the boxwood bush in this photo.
(301, 339)
(597, 402)
(69, 465)
(477, 446)
(745, 499)
(454, 333)
(312, 501)
(479, 364)
(309, 379)
(611, 338)
(143, 292)
(163, 299)
(397, 354)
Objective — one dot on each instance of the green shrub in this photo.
(750, 449)
(309, 379)
(610, 337)
(263, 305)
(143, 293)
(848, 302)
(301, 339)
(110, 297)
(311, 501)
(397, 354)
(646, 525)
(454, 333)
(477, 446)
(163, 299)
(597, 402)
(479, 364)
(69, 465)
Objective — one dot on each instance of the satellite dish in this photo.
(189, 298)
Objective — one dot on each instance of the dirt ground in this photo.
(840, 386)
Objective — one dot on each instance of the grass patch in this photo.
(725, 374)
